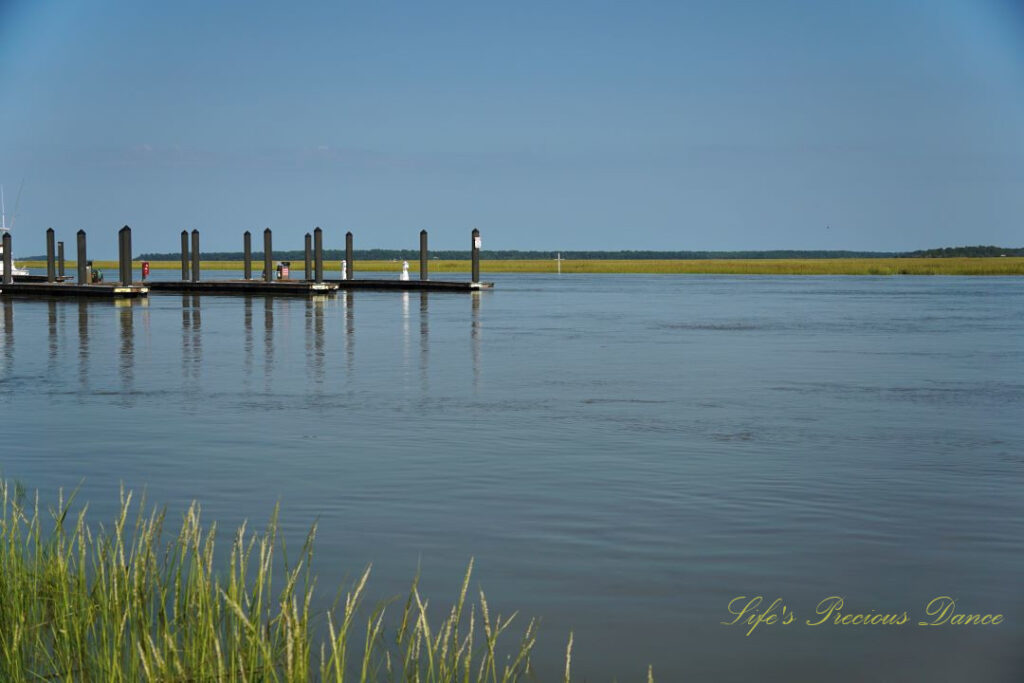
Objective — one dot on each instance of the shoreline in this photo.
(983, 266)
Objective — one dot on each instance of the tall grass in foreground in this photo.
(120, 604)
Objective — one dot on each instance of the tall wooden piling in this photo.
(476, 255)
(318, 254)
(349, 275)
(129, 275)
(184, 256)
(268, 271)
(309, 257)
(82, 264)
(8, 264)
(423, 255)
(60, 259)
(124, 238)
(51, 269)
(195, 256)
(120, 254)
(247, 253)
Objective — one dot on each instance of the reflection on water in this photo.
(475, 335)
(268, 341)
(350, 329)
(8, 338)
(51, 327)
(127, 363)
(406, 338)
(83, 344)
(424, 342)
(248, 341)
(191, 342)
(315, 340)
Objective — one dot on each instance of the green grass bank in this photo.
(126, 602)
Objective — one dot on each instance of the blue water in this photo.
(622, 454)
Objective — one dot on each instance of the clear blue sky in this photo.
(548, 125)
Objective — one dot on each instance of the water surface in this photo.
(622, 454)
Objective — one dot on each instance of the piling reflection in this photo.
(424, 339)
(315, 338)
(126, 366)
(8, 336)
(350, 332)
(51, 333)
(247, 339)
(268, 341)
(83, 342)
(475, 336)
(406, 338)
(191, 339)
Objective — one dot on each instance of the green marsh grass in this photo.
(128, 603)
(1010, 265)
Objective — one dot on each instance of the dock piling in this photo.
(82, 265)
(349, 275)
(476, 255)
(51, 270)
(318, 254)
(247, 254)
(60, 259)
(184, 256)
(268, 270)
(124, 238)
(195, 255)
(309, 257)
(120, 254)
(8, 266)
(423, 255)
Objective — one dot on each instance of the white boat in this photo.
(5, 228)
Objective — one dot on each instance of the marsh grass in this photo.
(852, 266)
(121, 603)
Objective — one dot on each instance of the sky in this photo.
(719, 125)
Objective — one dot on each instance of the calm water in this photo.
(622, 455)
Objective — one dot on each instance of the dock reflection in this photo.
(83, 342)
(191, 339)
(315, 339)
(350, 332)
(52, 316)
(475, 333)
(424, 340)
(247, 341)
(268, 341)
(126, 366)
(8, 338)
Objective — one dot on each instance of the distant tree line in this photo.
(977, 251)
(516, 255)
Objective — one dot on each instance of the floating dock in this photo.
(275, 287)
(63, 290)
(413, 285)
(54, 283)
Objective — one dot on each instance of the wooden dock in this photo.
(235, 287)
(413, 285)
(63, 290)
(54, 284)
